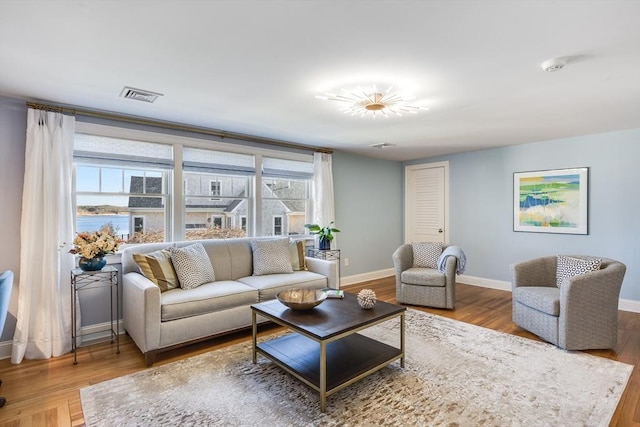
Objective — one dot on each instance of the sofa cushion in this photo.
(426, 254)
(271, 256)
(568, 267)
(192, 265)
(206, 298)
(423, 276)
(270, 285)
(543, 298)
(296, 253)
(157, 267)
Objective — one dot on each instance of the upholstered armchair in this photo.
(574, 312)
(421, 285)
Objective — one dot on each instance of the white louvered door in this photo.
(426, 203)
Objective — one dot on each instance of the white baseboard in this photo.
(484, 283)
(98, 333)
(364, 277)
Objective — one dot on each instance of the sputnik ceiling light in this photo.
(371, 101)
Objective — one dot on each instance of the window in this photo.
(214, 189)
(228, 177)
(216, 221)
(138, 224)
(126, 177)
(286, 193)
(277, 226)
(122, 183)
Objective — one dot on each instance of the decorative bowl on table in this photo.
(301, 299)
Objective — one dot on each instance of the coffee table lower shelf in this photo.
(348, 359)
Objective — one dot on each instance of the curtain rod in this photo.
(175, 126)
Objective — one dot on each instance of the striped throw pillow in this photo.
(157, 267)
(296, 253)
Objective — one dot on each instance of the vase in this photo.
(92, 264)
(324, 244)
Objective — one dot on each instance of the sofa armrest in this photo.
(326, 268)
(141, 315)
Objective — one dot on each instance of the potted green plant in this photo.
(325, 234)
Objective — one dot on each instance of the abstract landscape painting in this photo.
(551, 201)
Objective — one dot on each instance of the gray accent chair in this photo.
(424, 286)
(581, 314)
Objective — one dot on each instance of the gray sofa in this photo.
(159, 321)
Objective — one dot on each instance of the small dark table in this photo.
(326, 352)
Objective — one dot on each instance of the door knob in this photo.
(440, 230)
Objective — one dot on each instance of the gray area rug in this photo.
(456, 374)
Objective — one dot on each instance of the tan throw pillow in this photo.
(157, 267)
(271, 256)
(426, 254)
(569, 267)
(296, 253)
(192, 265)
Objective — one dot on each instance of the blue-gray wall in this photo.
(481, 203)
(368, 203)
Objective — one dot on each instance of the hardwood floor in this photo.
(46, 392)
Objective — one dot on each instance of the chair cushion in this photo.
(423, 276)
(569, 267)
(426, 254)
(542, 298)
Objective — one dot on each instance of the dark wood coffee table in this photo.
(326, 352)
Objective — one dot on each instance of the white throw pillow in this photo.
(192, 265)
(426, 254)
(569, 267)
(271, 256)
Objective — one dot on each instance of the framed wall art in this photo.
(551, 201)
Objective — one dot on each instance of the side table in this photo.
(83, 280)
(326, 254)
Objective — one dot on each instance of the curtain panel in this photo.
(43, 326)
(323, 204)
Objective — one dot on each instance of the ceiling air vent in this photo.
(139, 94)
(382, 145)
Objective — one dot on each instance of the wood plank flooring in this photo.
(46, 392)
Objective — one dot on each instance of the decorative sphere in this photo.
(367, 298)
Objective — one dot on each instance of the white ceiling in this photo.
(254, 67)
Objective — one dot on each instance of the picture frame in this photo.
(551, 201)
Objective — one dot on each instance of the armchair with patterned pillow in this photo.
(426, 273)
(569, 301)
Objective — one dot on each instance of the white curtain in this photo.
(323, 207)
(43, 326)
